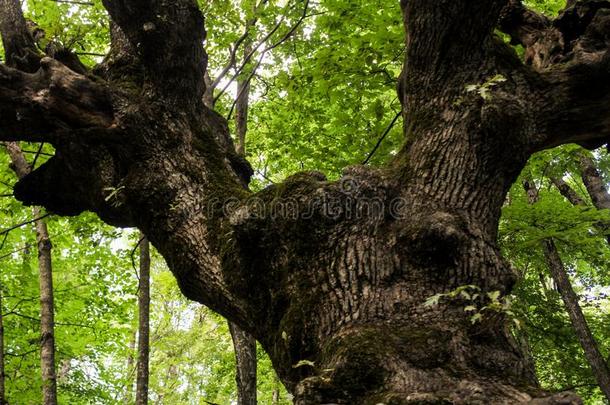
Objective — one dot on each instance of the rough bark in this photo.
(144, 323)
(568, 192)
(332, 283)
(19, 47)
(245, 365)
(596, 361)
(596, 189)
(594, 183)
(45, 276)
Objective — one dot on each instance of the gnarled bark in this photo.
(331, 277)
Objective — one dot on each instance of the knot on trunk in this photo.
(434, 239)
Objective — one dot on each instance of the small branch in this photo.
(30, 152)
(90, 54)
(15, 251)
(264, 51)
(33, 318)
(133, 263)
(82, 3)
(6, 231)
(248, 58)
(265, 39)
(24, 354)
(38, 152)
(383, 136)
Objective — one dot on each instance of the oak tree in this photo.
(331, 277)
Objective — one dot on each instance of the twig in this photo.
(82, 3)
(24, 223)
(267, 49)
(3, 241)
(90, 53)
(133, 262)
(38, 152)
(21, 354)
(15, 251)
(33, 318)
(379, 142)
(249, 57)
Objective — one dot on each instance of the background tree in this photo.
(45, 275)
(143, 322)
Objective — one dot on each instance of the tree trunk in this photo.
(2, 368)
(579, 323)
(129, 369)
(245, 361)
(597, 190)
(47, 323)
(45, 275)
(275, 398)
(331, 277)
(594, 183)
(144, 323)
(244, 344)
(241, 107)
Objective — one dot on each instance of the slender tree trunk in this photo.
(46, 312)
(275, 397)
(130, 369)
(244, 343)
(144, 323)
(241, 108)
(567, 191)
(570, 298)
(594, 183)
(208, 95)
(596, 188)
(2, 369)
(45, 274)
(246, 363)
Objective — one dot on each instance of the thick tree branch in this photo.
(574, 104)
(593, 181)
(19, 47)
(448, 29)
(571, 70)
(43, 105)
(168, 38)
(568, 192)
(528, 28)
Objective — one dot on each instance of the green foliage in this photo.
(82, 28)
(548, 7)
(476, 302)
(585, 252)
